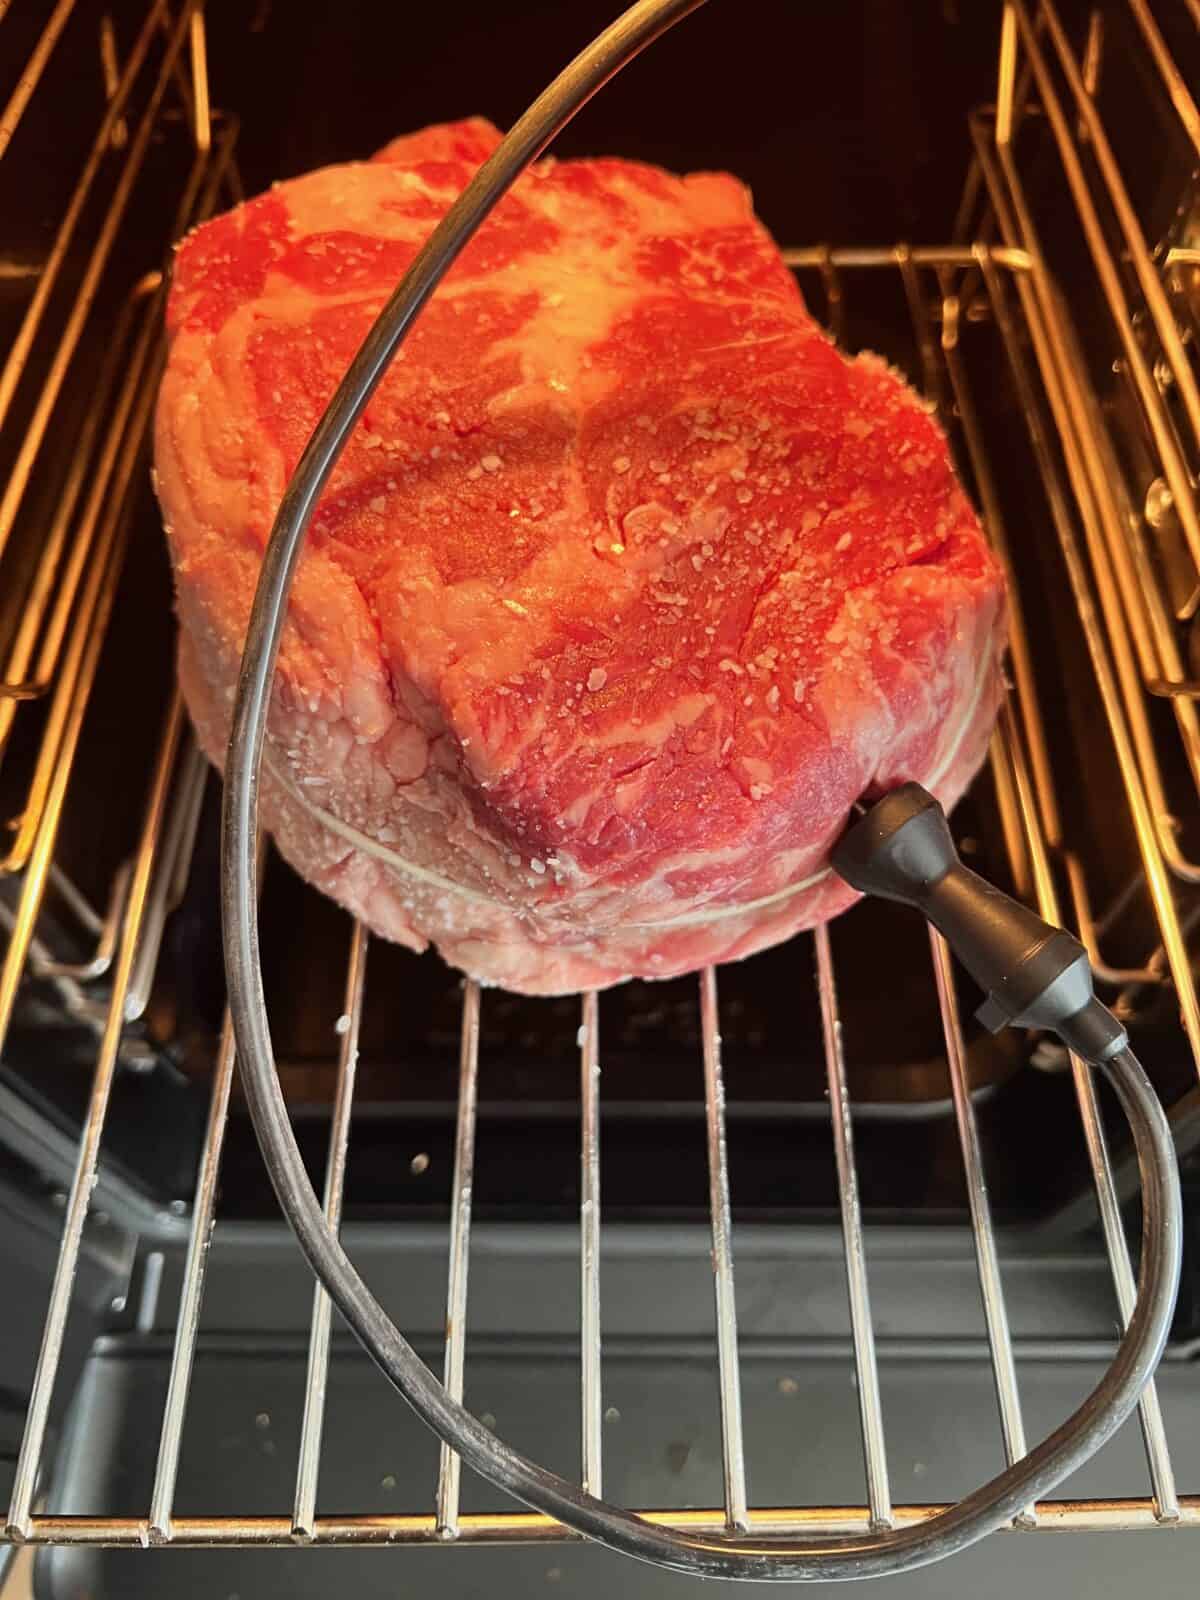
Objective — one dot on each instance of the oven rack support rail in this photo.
(77, 581)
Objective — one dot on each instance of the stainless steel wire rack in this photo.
(1111, 475)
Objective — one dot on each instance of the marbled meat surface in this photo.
(626, 587)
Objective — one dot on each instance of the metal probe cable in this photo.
(848, 1556)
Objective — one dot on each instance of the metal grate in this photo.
(1003, 282)
(65, 520)
(1134, 484)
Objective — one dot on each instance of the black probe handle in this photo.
(1035, 975)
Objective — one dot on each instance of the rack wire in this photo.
(1143, 530)
(996, 269)
(64, 602)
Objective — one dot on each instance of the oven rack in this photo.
(1141, 441)
(1148, 513)
(1007, 282)
(1000, 268)
(64, 524)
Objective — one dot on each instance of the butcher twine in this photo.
(372, 847)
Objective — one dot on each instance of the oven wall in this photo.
(846, 121)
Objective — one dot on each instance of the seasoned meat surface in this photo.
(627, 586)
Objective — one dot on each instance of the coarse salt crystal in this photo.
(537, 866)
(597, 678)
(491, 463)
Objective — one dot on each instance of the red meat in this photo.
(627, 585)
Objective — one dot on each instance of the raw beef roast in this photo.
(627, 586)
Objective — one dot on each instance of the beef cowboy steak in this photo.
(626, 587)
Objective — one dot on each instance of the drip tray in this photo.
(242, 1432)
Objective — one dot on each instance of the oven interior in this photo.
(957, 129)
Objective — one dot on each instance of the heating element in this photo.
(1082, 455)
